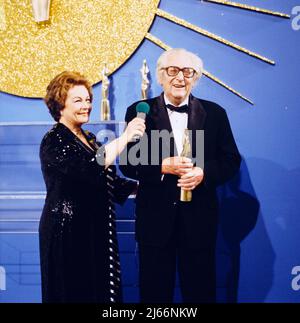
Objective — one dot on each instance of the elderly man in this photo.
(172, 234)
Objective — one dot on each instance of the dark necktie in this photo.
(182, 109)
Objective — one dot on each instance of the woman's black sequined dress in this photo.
(78, 245)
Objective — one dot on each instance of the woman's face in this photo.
(78, 106)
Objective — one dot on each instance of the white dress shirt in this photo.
(178, 122)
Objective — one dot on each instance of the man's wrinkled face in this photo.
(177, 88)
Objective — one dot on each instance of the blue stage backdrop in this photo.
(258, 244)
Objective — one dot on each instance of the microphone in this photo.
(142, 109)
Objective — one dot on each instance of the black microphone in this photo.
(142, 109)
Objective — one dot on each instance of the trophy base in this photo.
(185, 196)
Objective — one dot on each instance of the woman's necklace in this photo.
(77, 132)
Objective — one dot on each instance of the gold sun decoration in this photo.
(34, 53)
(80, 35)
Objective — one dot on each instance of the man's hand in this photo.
(176, 165)
(191, 180)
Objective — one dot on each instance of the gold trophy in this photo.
(105, 107)
(145, 81)
(41, 10)
(186, 196)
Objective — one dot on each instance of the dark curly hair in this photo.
(58, 88)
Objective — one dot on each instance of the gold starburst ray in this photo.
(206, 33)
(251, 8)
(163, 45)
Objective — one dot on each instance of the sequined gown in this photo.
(78, 245)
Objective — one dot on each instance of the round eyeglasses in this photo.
(187, 72)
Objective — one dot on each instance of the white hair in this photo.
(197, 63)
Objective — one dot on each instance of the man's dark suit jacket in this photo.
(157, 198)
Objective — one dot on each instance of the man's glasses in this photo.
(187, 72)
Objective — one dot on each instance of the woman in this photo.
(78, 244)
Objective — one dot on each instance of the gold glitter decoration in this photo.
(252, 8)
(161, 44)
(157, 41)
(217, 80)
(206, 33)
(80, 35)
